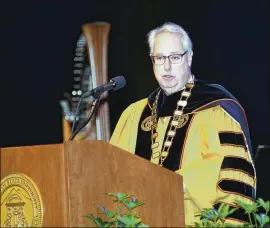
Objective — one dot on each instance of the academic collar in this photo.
(202, 94)
(167, 104)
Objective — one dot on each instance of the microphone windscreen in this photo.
(119, 81)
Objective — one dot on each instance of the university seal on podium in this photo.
(21, 204)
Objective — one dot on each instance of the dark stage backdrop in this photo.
(230, 48)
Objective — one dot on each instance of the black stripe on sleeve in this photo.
(238, 163)
(237, 187)
(232, 138)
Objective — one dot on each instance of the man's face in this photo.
(171, 77)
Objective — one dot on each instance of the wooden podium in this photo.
(71, 177)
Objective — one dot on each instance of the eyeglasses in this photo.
(174, 58)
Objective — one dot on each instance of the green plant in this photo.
(116, 218)
(217, 218)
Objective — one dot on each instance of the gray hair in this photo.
(173, 28)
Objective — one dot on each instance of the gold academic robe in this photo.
(215, 156)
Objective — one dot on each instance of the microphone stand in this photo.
(93, 108)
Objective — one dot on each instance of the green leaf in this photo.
(265, 205)
(129, 220)
(262, 219)
(132, 203)
(98, 221)
(232, 211)
(221, 207)
(259, 219)
(266, 220)
(196, 225)
(119, 196)
(241, 204)
(224, 212)
(249, 208)
(109, 214)
(206, 222)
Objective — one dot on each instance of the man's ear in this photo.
(190, 55)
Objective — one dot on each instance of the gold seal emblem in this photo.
(182, 121)
(21, 204)
(147, 123)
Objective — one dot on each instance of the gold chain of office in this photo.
(177, 120)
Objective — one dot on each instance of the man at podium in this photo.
(195, 129)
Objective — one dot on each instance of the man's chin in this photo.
(168, 85)
(170, 89)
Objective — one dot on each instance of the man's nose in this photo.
(167, 64)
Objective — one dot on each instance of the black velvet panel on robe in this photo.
(202, 94)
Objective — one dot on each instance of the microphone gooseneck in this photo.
(114, 84)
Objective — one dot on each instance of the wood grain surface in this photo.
(71, 177)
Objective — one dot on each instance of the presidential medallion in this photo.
(147, 124)
(182, 121)
(21, 204)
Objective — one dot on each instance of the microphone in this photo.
(114, 84)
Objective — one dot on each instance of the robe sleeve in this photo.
(120, 136)
(223, 170)
(125, 132)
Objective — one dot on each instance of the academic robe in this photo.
(212, 150)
